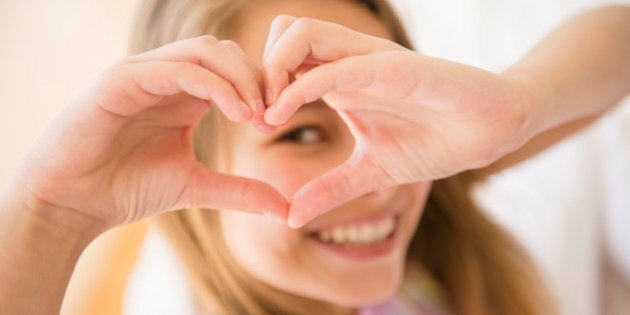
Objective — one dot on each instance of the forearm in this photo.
(581, 69)
(39, 249)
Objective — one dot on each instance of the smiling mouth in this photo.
(362, 234)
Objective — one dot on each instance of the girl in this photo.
(354, 255)
(389, 226)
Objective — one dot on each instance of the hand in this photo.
(122, 151)
(414, 118)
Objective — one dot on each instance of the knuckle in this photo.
(305, 24)
(229, 43)
(116, 72)
(128, 60)
(233, 48)
(206, 41)
(183, 66)
(282, 19)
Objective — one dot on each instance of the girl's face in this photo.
(351, 256)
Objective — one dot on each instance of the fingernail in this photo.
(262, 126)
(269, 115)
(293, 224)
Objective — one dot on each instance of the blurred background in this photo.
(570, 206)
(50, 50)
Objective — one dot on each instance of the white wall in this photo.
(570, 206)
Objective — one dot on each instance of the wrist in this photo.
(41, 245)
(52, 219)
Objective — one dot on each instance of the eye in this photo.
(303, 135)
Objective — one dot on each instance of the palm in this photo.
(123, 151)
(120, 165)
(464, 115)
(156, 167)
(422, 126)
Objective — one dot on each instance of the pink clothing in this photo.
(389, 307)
(395, 307)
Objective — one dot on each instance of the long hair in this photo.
(476, 267)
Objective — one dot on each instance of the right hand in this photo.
(122, 151)
(414, 118)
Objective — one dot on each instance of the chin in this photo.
(364, 290)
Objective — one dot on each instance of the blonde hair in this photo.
(478, 267)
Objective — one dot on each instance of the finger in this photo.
(348, 181)
(313, 41)
(210, 190)
(261, 125)
(181, 111)
(254, 74)
(258, 120)
(131, 88)
(344, 75)
(224, 58)
(278, 26)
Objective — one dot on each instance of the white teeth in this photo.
(359, 234)
(366, 232)
(352, 233)
(339, 235)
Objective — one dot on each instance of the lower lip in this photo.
(380, 249)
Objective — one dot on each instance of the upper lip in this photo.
(352, 221)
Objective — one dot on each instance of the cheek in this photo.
(253, 232)
(288, 166)
(258, 244)
(418, 195)
(285, 171)
(286, 175)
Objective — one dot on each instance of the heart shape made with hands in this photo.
(305, 60)
(414, 118)
(294, 74)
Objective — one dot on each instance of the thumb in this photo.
(348, 181)
(212, 190)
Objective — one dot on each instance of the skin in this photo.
(133, 158)
(314, 141)
(445, 117)
(289, 259)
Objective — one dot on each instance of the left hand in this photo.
(414, 118)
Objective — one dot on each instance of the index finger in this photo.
(352, 179)
(310, 41)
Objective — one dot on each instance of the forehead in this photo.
(252, 23)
